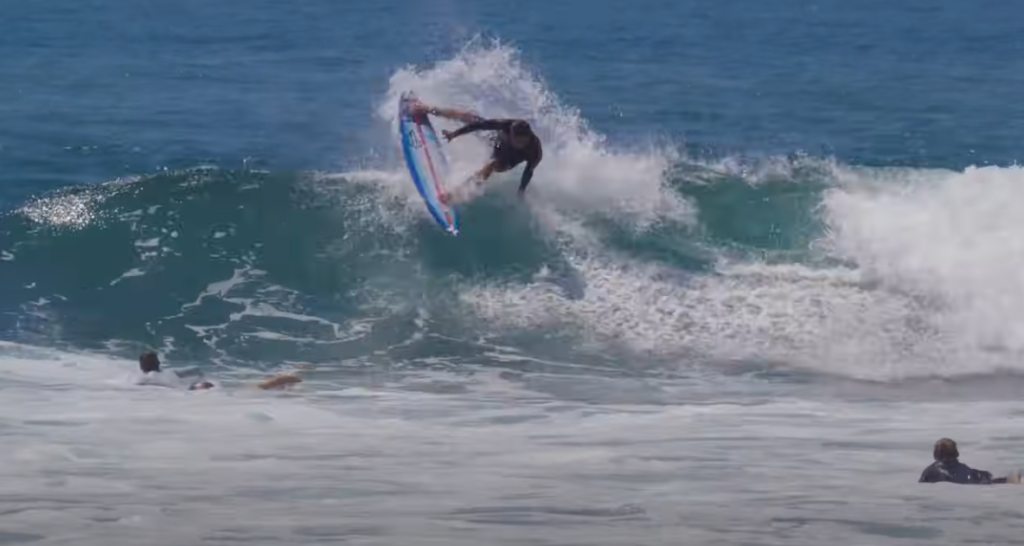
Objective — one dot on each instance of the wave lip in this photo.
(580, 171)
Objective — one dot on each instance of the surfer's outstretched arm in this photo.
(531, 164)
(479, 125)
(465, 116)
(525, 180)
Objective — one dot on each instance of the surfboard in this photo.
(426, 162)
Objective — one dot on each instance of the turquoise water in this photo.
(772, 254)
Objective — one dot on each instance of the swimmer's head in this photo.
(945, 450)
(521, 133)
(149, 362)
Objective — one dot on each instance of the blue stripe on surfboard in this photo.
(424, 183)
(425, 165)
(419, 171)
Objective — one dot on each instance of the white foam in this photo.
(133, 272)
(766, 169)
(580, 172)
(114, 464)
(823, 319)
(73, 208)
(953, 239)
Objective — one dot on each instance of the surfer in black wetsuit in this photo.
(513, 142)
(948, 468)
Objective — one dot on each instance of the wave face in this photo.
(639, 253)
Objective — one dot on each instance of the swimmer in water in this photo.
(948, 468)
(149, 364)
(512, 143)
(152, 374)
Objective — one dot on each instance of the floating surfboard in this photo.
(427, 163)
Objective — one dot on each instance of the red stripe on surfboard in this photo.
(430, 163)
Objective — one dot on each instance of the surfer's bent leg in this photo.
(504, 158)
(475, 179)
(499, 163)
(492, 166)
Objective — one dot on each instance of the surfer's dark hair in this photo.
(149, 362)
(945, 450)
(521, 128)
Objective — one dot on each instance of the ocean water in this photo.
(773, 252)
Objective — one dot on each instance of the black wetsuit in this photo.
(956, 472)
(503, 152)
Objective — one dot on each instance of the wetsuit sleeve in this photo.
(531, 164)
(483, 125)
(931, 475)
(983, 477)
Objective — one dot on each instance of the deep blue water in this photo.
(93, 90)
